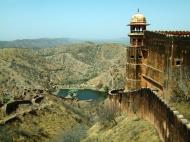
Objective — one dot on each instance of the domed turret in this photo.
(138, 19)
(138, 23)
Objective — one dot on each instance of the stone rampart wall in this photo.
(171, 126)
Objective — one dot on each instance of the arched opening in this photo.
(145, 54)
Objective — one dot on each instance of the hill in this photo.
(65, 66)
(37, 43)
(28, 74)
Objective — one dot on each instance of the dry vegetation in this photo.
(127, 130)
(180, 91)
(67, 65)
(78, 65)
(101, 66)
(40, 125)
(106, 125)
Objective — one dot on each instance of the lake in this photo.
(83, 94)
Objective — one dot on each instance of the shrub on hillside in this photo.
(106, 90)
(6, 97)
(107, 114)
(99, 85)
(74, 135)
(179, 95)
(180, 86)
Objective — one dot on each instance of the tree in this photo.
(107, 114)
(106, 90)
(180, 85)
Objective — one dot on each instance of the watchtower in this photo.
(137, 25)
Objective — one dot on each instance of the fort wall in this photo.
(163, 55)
(170, 124)
(158, 60)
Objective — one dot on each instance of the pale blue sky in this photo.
(87, 19)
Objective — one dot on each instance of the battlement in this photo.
(174, 33)
(170, 124)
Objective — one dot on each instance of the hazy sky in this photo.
(87, 19)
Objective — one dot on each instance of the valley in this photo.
(30, 79)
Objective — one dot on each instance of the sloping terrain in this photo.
(68, 65)
(128, 129)
(74, 65)
(21, 68)
(83, 62)
(40, 125)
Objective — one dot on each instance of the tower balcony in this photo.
(136, 34)
(137, 46)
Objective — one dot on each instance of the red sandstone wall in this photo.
(156, 64)
(171, 126)
(159, 68)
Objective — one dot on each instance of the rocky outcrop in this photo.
(13, 109)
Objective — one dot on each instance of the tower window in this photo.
(132, 57)
(178, 62)
(140, 57)
(139, 40)
(145, 53)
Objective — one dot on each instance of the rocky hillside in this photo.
(85, 64)
(79, 63)
(29, 111)
(128, 129)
